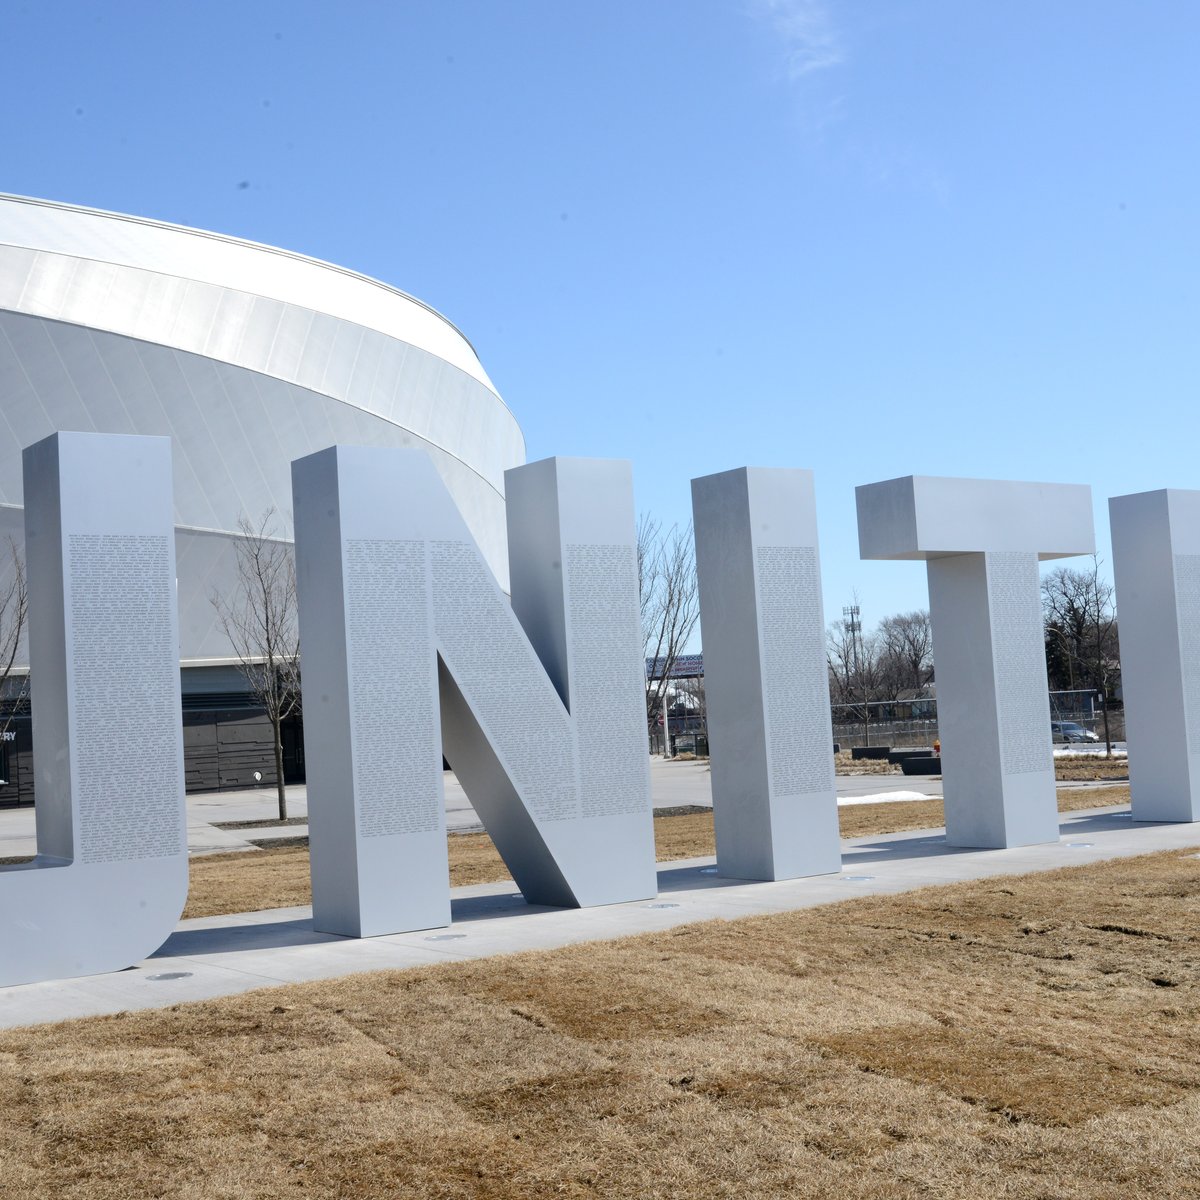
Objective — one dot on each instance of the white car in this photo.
(1069, 731)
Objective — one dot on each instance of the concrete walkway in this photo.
(672, 785)
(221, 956)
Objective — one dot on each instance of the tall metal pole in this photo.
(666, 720)
(850, 618)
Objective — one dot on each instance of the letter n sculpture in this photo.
(409, 648)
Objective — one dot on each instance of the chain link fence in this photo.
(911, 724)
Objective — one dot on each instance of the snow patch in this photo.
(883, 798)
(1087, 751)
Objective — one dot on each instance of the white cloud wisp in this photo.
(810, 39)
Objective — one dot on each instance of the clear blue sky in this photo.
(868, 238)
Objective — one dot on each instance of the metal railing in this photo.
(909, 724)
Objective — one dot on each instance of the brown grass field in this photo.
(1086, 768)
(1031, 1036)
(246, 881)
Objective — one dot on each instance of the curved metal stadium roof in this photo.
(247, 357)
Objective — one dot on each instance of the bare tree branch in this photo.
(895, 662)
(854, 667)
(670, 602)
(1082, 649)
(260, 621)
(906, 654)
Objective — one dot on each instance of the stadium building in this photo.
(247, 357)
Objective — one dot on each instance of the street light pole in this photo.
(850, 618)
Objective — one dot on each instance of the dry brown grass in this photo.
(1085, 767)
(844, 763)
(278, 878)
(1067, 768)
(248, 881)
(1034, 1036)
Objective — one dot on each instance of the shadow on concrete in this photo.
(484, 908)
(225, 939)
(692, 878)
(1101, 822)
(274, 935)
(930, 845)
(688, 876)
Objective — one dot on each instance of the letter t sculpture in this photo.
(981, 540)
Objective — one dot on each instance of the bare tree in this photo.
(670, 602)
(855, 666)
(1081, 633)
(844, 652)
(260, 622)
(14, 617)
(906, 656)
(649, 532)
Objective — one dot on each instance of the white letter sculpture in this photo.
(766, 680)
(982, 540)
(1156, 566)
(542, 710)
(110, 878)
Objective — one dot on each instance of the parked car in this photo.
(1069, 731)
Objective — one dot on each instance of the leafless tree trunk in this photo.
(1081, 627)
(842, 655)
(670, 603)
(260, 622)
(854, 667)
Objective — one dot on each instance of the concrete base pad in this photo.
(221, 956)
